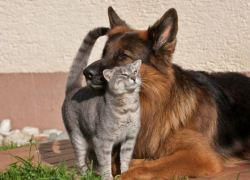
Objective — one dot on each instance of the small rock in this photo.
(43, 135)
(1, 140)
(63, 135)
(17, 137)
(5, 126)
(53, 136)
(41, 138)
(15, 131)
(30, 130)
(52, 131)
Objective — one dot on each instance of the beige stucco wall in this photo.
(43, 36)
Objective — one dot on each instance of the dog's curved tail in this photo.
(81, 60)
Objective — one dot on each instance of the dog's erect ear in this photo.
(114, 19)
(164, 30)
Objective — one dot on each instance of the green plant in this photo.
(26, 169)
(13, 145)
(90, 174)
(7, 147)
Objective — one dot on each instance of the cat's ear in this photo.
(114, 19)
(137, 65)
(164, 30)
(107, 74)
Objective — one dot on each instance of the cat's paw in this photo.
(83, 169)
(124, 168)
(107, 177)
(104, 173)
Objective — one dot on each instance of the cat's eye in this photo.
(135, 72)
(126, 75)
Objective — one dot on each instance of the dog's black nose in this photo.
(93, 70)
(90, 72)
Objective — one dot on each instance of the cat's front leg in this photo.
(103, 150)
(127, 148)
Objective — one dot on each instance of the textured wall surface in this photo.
(43, 36)
(35, 100)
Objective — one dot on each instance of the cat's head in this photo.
(124, 79)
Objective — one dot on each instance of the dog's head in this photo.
(124, 45)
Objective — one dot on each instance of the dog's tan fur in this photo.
(181, 111)
(173, 117)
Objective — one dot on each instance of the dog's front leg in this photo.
(192, 157)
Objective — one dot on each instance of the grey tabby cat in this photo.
(97, 120)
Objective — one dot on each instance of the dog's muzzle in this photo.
(93, 75)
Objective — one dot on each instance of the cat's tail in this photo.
(81, 60)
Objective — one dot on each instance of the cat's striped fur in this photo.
(80, 62)
(97, 120)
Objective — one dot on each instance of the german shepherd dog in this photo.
(191, 122)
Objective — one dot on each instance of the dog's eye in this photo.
(122, 56)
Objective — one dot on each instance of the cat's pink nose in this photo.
(133, 78)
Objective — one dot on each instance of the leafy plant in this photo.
(7, 147)
(26, 169)
(90, 174)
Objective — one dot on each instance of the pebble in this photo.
(62, 136)
(31, 130)
(52, 131)
(1, 140)
(41, 138)
(5, 126)
(23, 136)
(17, 137)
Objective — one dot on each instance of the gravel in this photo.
(21, 137)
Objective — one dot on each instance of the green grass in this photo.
(90, 175)
(7, 147)
(25, 169)
(13, 145)
(28, 171)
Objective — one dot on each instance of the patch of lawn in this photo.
(7, 147)
(29, 171)
(90, 175)
(25, 169)
(13, 145)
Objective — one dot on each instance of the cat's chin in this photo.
(132, 90)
